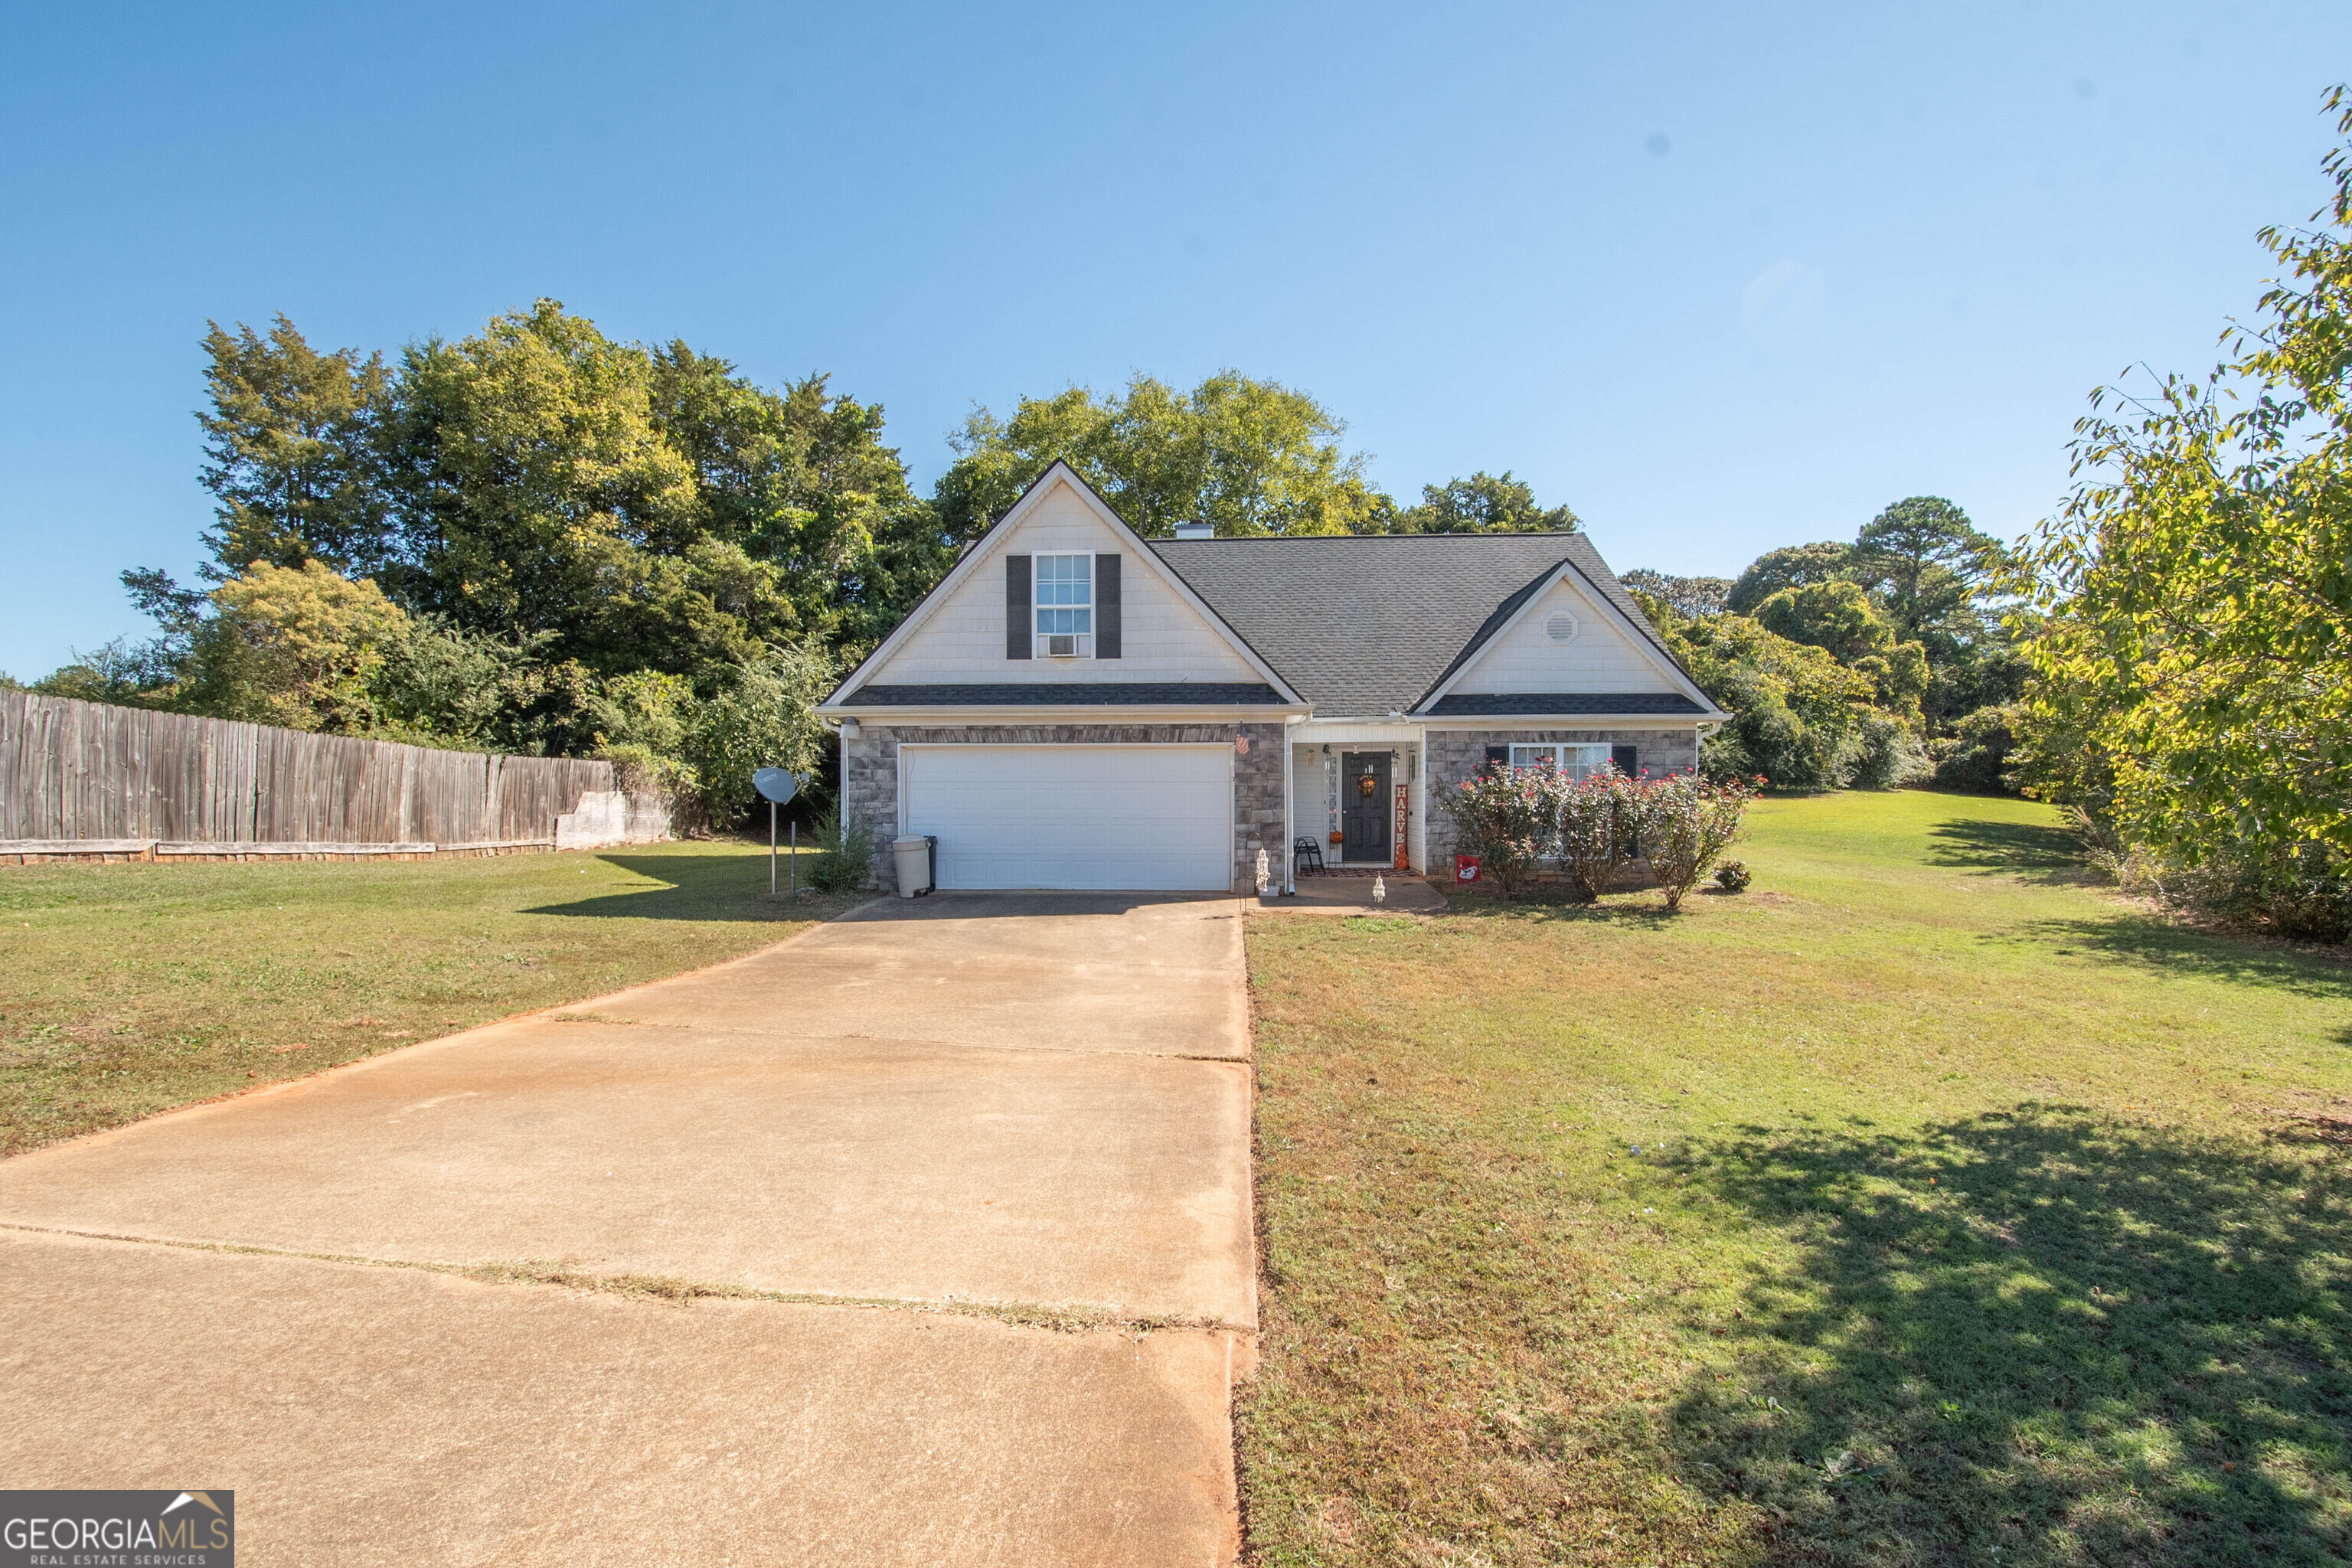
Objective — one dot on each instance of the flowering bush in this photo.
(1508, 818)
(1600, 828)
(1687, 824)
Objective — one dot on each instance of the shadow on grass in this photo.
(698, 887)
(2031, 851)
(2084, 1342)
(2187, 950)
(1615, 910)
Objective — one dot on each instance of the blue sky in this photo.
(1719, 277)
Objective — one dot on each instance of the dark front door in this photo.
(1364, 805)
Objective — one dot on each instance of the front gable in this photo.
(1567, 639)
(958, 636)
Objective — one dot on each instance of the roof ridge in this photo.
(1327, 538)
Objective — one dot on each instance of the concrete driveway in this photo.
(923, 1238)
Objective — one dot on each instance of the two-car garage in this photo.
(1147, 818)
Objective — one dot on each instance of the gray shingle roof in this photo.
(1561, 704)
(1069, 693)
(1365, 625)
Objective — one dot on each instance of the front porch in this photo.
(1357, 797)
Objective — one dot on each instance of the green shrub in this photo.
(1885, 753)
(1977, 758)
(846, 861)
(2304, 893)
(1733, 876)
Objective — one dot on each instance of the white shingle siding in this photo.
(1162, 638)
(1602, 658)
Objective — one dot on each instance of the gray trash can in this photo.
(913, 853)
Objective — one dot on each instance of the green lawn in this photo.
(1921, 1205)
(128, 989)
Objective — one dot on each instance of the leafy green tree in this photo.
(291, 453)
(1694, 597)
(2194, 675)
(761, 716)
(1800, 717)
(1836, 616)
(1792, 566)
(799, 481)
(1930, 560)
(128, 673)
(443, 686)
(1483, 503)
(1247, 456)
(294, 646)
(536, 492)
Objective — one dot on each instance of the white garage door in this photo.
(1141, 817)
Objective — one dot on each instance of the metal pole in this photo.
(772, 850)
(796, 858)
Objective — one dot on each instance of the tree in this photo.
(2194, 673)
(800, 481)
(298, 647)
(1799, 717)
(1694, 597)
(617, 506)
(1483, 503)
(1836, 616)
(291, 453)
(1930, 558)
(537, 491)
(1792, 566)
(131, 674)
(1246, 457)
(761, 716)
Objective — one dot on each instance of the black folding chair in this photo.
(1306, 854)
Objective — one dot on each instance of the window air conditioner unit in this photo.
(1063, 645)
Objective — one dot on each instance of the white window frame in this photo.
(1576, 759)
(1077, 612)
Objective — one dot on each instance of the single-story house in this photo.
(1077, 706)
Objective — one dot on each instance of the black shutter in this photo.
(1018, 628)
(1498, 759)
(1628, 760)
(1106, 607)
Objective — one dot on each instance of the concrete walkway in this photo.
(954, 1194)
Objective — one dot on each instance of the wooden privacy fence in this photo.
(78, 775)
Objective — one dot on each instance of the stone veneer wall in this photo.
(1455, 754)
(870, 783)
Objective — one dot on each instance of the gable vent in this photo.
(1561, 627)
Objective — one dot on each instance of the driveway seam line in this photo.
(670, 1289)
(896, 1040)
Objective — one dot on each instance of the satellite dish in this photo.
(774, 783)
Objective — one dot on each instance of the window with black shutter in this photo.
(1106, 607)
(1628, 760)
(1498, 759)
(1019, 640)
